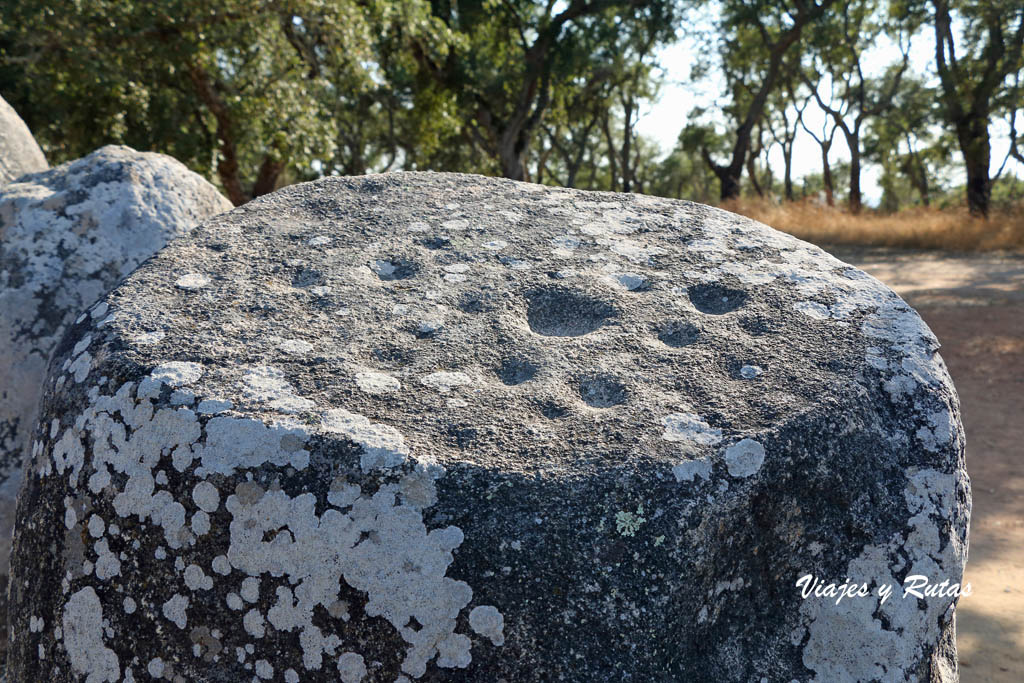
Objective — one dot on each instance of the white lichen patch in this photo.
(455, 224)
(627, 523)
(206, 496)
(488, 622)
(689, 428)
(688, 469)
(268, 385)
(382, 446)
(176, 610)
(377, 383)
(242, 443)
(751, 372)
(295, 347)
(813, 309)
(155, 667)
(80, 367)
(628, 281)
(446, 381)
(744, 458)
(263, 669)
(849, 641)
(177, 373)
(351, 667)
(212, 406)
(399, 565)
(82, 628)
(192, 281)
(196, 579)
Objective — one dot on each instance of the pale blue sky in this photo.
(664, 119)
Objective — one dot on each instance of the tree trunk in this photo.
(752, 173)
(968, 96)
(826, 175)
(979, 188)
(787, 156)
(627, 107)
(612, 161)
(855, 198)
(730, 184)
(922, 183)
(976, 148)
(270, 171)
(510, 156)
(227, 167)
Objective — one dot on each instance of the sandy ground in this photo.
(975, 306)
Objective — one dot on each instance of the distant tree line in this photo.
(257, 94)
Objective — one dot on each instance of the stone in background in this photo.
(449, 428)
(67, 237)
(19, 152)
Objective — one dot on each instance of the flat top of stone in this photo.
(504, 318)
(19, 151)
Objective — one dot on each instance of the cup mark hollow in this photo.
(565, 313)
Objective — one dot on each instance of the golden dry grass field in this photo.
(951, 229)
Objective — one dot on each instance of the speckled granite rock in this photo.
(67, 237)
(443, 427)
(19, 152)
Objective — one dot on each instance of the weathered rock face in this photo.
(67, 237)
(443, 427)
(19, 152)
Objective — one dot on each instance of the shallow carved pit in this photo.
(564, 313)
(602, 391)
(514, 371)
(716, 299)
(678, 333)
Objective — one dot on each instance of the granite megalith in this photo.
(438, 427)
(19, 151)
(67, 237)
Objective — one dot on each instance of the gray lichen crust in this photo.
(443, 427)
(67, 237)
(19, 151)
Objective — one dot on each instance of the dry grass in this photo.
(914, 228)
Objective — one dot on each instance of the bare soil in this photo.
(974, 303)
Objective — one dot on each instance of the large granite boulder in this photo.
(67, 237)
(442, 427)
(19, 151)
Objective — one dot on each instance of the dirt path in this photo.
(975, 306)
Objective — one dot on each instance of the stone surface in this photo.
(19, 152)
(67, 237)
(441, 427)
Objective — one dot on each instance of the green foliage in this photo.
(241, 90)
(256, 94)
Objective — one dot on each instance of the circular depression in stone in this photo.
(716, 299)
(565, 313)
(678, 333)
(514, 371)
(602, 391)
